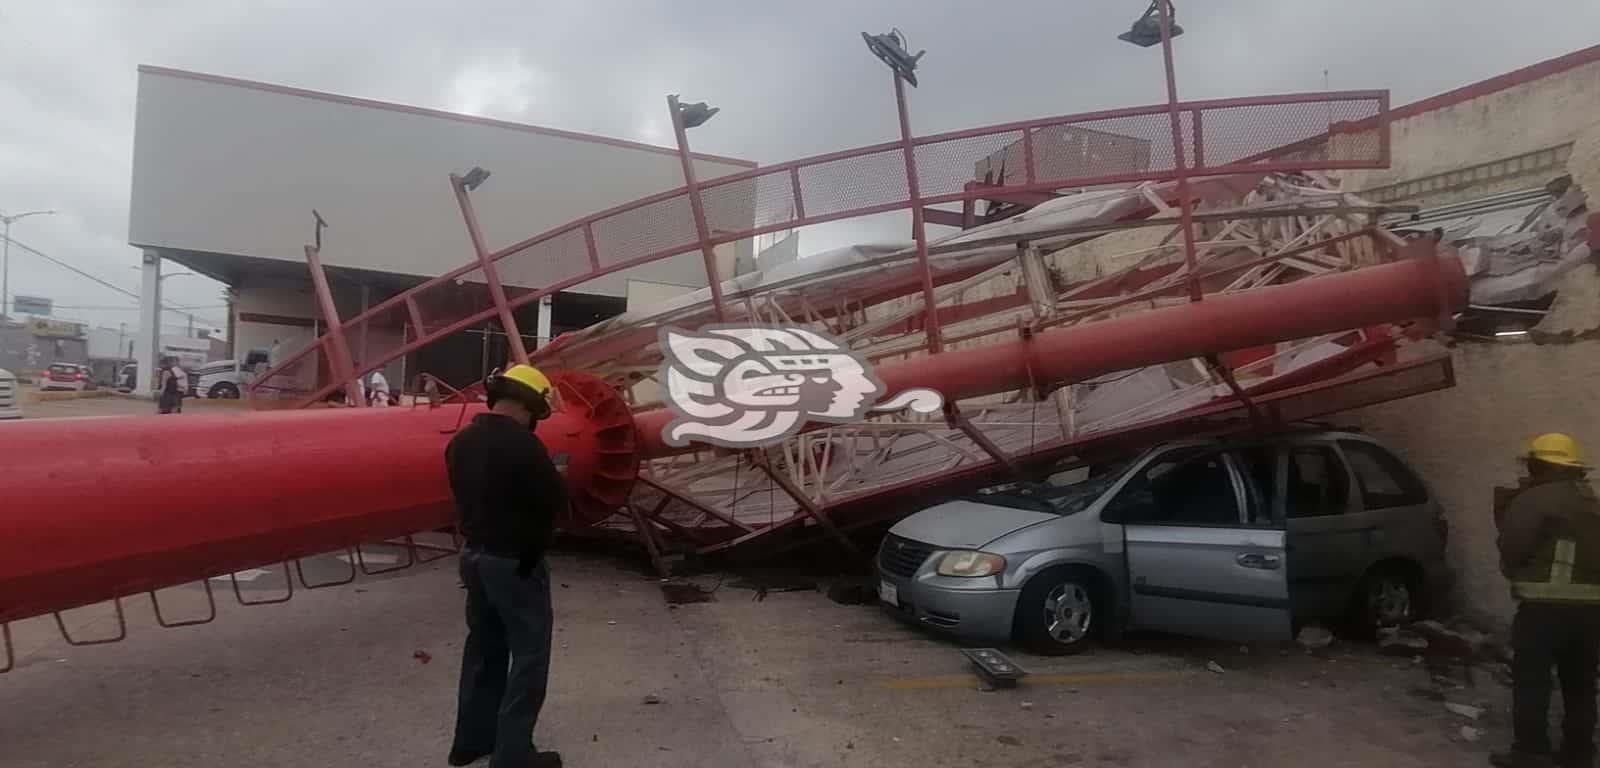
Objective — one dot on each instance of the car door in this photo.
(1200, 561)
(1329, 534)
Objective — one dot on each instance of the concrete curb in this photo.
(45, 397)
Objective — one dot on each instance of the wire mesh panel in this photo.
(854, 183)
(379, 336)
(647, 229)
(749, 203)
(947, 166)
(292, 381)
(446, 303)
(1305, 133)
(1273, 133)
(543, 264)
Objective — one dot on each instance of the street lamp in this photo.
(5, 260)
(1157, 26)
(163, 278)
(890, 47)
(684, 117)
(1146, 30)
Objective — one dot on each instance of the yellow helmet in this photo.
(1558, 449)
(523, 383)
(530, 377)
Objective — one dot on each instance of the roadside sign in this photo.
(30, 305)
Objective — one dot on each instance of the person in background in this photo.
(507, 495)
(1550, 551)
(378, 390)
(170, 387)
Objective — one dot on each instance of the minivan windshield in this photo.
(1053, 499)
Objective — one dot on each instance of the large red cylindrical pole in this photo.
(1422, 287)
(97, 508)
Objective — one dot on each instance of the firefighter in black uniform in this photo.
(507, 494)
(1550, 550)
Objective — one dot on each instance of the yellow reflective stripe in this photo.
(1534, 590)
(1561, 566)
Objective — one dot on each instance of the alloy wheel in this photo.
(1068, 613)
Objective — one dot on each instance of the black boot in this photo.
(545, 760)
(1516, 758)
(459, 757)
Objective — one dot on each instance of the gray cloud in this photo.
(793, 78)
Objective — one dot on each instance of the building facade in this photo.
(227, 174)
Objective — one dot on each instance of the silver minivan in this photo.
(1233, 540)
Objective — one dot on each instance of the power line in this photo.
(86, 275)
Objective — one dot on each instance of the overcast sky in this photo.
(792, 78)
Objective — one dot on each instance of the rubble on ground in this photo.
(1399, 641)
(1314, 637)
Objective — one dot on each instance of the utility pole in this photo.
(5, 257)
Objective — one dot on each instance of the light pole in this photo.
(1157, 26)
(164, 278)
(891, 48)
(684, 117)
(5, 259)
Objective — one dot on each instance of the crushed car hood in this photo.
(966, 524)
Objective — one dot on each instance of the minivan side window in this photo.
(1385, 480)
(1172, 490)
(1318, 484)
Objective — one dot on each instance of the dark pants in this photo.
(1566, 637)
(508, 620)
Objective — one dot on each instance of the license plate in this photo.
(888, 593)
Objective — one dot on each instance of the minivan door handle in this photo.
(1259, 561)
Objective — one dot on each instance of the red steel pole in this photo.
(299, 482)
(491, 276)
(918, 226)
(1421, 286)
(1180, 170)
(338, 345)
(125, 532)
(697, 209)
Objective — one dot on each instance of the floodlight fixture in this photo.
(1146, 31)
(696, 114)
(891, 48)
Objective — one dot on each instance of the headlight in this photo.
(970, 563)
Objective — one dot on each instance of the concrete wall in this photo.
(1466, 440)
(233, 167)
(1547, 112)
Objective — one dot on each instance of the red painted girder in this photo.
(1423, 286)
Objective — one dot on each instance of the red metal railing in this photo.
(1283, 133)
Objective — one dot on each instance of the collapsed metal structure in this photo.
(1282, 300)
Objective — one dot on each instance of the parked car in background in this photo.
(221, 379)
(8, 396)
(128, 376)
(64, 376)
(1234, 540)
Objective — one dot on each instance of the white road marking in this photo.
(246, 575)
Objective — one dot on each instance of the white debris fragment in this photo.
(1465, 710)
(1313, 637)
(1215, 668)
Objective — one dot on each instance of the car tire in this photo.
(1061, 612)
(1389, 595)
(223, 390)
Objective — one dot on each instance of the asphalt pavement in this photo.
(365, 674)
